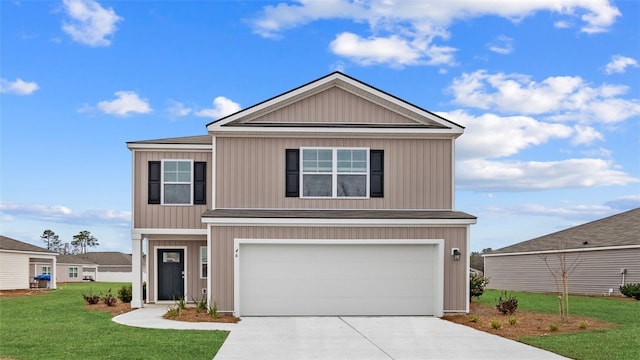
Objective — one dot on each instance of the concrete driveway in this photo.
(367, 338)
(335, 338)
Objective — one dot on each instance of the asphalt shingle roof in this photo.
(73, 259)
(16, 245)
(189, 140)
(338, 214)
(107, 258)
(618, 230)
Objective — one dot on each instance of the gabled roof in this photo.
(16, 245)
(107, 258)
(618, 230)
(399, 115)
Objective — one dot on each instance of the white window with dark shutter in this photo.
(177, 182)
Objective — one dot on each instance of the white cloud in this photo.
(65, 215)
(410, 27)
(89, 23)
(619, 64)
(493, 136)
(586, 135)
(502, 45)
(221, 107)
(18, 87)
(177, 109)
(561, 98)
(487, 175)
(625, 202)
(127, 102)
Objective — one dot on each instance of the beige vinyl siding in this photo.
(597, 272)
(62, 273)
(166, 216)
(221, 253)
(250, 173)
(192, 267)
(334, 105)
(14, 271)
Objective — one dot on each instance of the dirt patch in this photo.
(117, 309)
(23, 292)
(526, 323)
(193, 315)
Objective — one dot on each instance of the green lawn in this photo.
(622, 342)
(56, 326)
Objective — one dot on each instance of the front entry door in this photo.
(170, 274)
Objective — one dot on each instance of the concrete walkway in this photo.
(353, 338)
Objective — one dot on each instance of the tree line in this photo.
(81, 241)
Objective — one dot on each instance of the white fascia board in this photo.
(158, 231)
(223, 221)
(623, 247)
(31, 253)
(170, 147)
(306, 131)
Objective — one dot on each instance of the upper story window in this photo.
(177, 182)
(334, 173)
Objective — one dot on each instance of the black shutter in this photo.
(292, 176)
(200, 183)
(154, 182)
(376, 176)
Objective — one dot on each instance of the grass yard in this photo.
(622, 342)
(57, 326)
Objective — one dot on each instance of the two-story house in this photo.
(334, 198)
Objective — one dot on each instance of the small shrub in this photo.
(124, 294)
(508, 304)
(181, 303)
(201, 304)
(475, 319)
(213, 310)
(513, 321)
(109, 299)
(631, 290)
(173, 311)
(553, 327)
(496, 324)
(583, 325)
(91, 298)
(477, 283)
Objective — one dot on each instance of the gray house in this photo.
(606, 254)
(334, 198)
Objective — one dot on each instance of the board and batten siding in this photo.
(194, 286)
(596, 273)
(166, 216)
(334, 105)
(250, 173)
(222, 252)
(14, 271)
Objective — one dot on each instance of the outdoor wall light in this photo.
(455, 253)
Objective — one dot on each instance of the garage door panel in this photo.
(337, 279)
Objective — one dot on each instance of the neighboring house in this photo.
(73, 268)
(112, 266)
(606, 251)
(15, 257)
(334, 198)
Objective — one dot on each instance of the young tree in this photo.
(52, 240)
(82, 240)
(561, 267)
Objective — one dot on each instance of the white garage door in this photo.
(338, 279)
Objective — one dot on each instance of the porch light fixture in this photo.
(455, 253)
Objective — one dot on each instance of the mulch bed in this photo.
(193, 315)
(527, 323)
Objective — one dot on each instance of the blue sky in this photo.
(549, 93)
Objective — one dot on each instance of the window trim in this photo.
(204, 276)
(163, 183)
(334, 173)
(72, 273)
